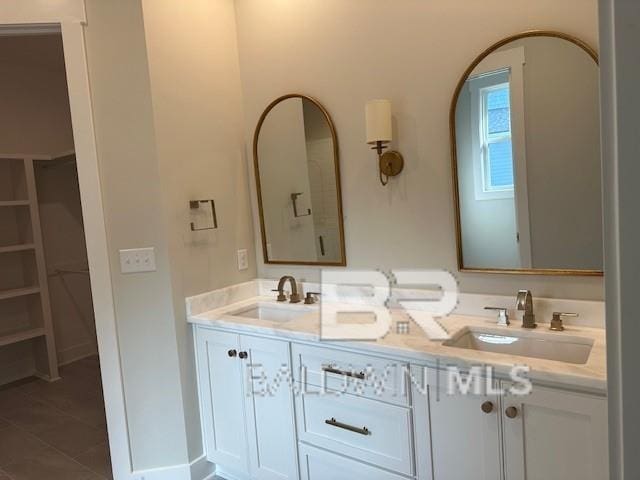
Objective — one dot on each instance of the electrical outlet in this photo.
(134, 260)
(243, 259)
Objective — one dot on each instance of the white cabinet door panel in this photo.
(270, 413)
(556, 435)
(465, 441)
(222, 399)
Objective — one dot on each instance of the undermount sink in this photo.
(272, 313)
(569, 349)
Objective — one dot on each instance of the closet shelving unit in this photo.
(25, 309)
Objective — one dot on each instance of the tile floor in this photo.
(55, 431)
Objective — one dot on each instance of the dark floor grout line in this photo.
(48, 445)
(62, 412)
(6, 474)
(22, 429)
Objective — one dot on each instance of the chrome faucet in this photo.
(524, 302)
(295, 296)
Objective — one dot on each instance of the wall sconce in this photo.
(379, 134)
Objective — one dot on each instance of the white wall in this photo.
(35, 115)
(133, 206)
(620, 76)
(153, 338)
(413, 52)
(197, 113)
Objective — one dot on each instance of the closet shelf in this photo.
(24, 198)
(14, 203)
(18, 292)
(17, 248)
(21, 336)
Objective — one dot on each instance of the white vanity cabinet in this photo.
(465, 431)
(340, 426)
(555, 435)
(248, 424)
(551, 434)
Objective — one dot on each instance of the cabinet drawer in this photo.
(316, 464)
(364, 429)
(362, 375)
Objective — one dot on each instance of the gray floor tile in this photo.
(72, 437)
(34, 417)
(11, 399)
(17, 445)
(55, 431)
(49, 465)
(97, 459)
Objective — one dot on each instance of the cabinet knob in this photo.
(232, 353)
(243, 355)
(487, 407)
(511, 412)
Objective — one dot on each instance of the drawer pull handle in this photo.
(511, 412)
(334, 423)
(345, 373)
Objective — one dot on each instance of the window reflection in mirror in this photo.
(527, 159)
(297, 176)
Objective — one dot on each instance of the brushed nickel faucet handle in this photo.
(282, 297)
(311, 298)
(503, 316)
(556, 320)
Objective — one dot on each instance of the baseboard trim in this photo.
(199, 469)
(15, 371)
(221, 472)
(24, 367)
(77, 352)
(176, 472)
(202, 469)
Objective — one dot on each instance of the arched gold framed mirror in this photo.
(297, 172)
(525, 131)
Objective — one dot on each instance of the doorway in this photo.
(52, 415)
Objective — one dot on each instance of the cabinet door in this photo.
(269, 407)
(555, 435)
(222, 399)
(465, 440)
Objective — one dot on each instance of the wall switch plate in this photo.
(135, 260)
(243, 259)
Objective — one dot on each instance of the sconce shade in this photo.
(378, 116)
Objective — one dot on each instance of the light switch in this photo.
(243, 260)
(134, 260)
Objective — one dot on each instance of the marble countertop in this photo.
(417, 347)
